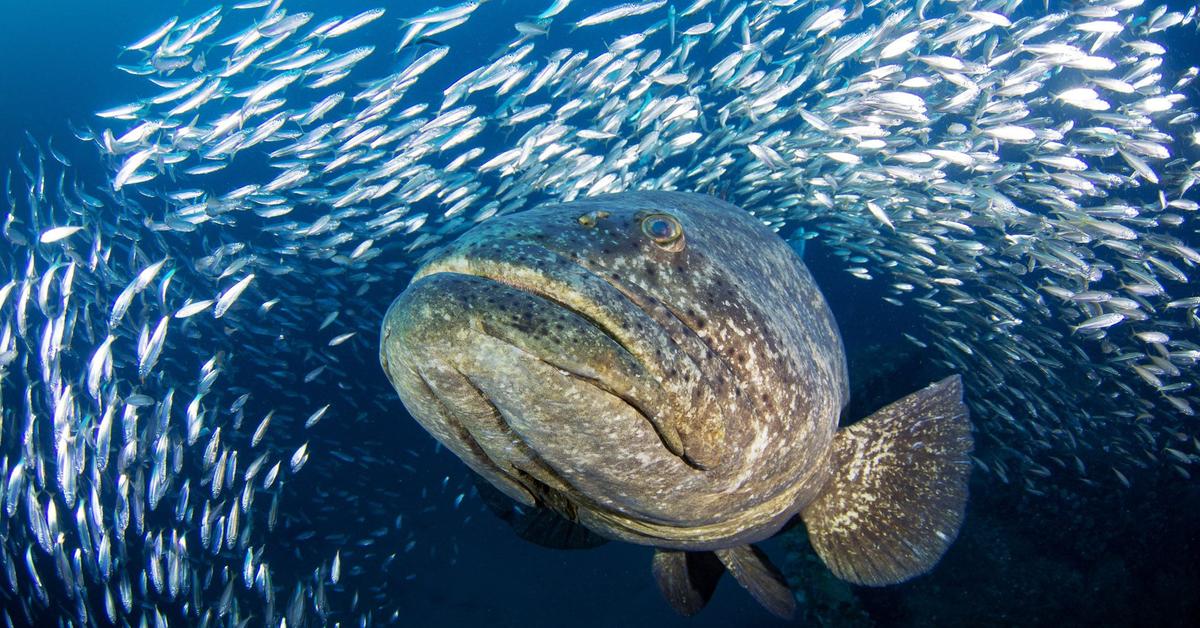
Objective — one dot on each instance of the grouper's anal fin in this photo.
(899, 490)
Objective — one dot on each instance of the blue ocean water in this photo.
(1083, 556)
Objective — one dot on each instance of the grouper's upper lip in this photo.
(572, 278)
(547, 295)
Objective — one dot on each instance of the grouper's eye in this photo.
(664, 229)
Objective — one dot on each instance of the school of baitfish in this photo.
(1018, 174)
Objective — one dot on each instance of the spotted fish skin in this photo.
(680, 396)
(662, 369)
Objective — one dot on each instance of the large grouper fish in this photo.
(660, 368)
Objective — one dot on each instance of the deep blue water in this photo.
(1087, 558)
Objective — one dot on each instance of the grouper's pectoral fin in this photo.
(537, 524)
(899, 490)
(754, 571)
(687, 579)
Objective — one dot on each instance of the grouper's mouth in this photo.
(600, 304)
(554, 380)
(640, 406)
(542, 412)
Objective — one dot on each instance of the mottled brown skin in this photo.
(683, 396)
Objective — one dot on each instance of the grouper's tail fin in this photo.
(899, 490)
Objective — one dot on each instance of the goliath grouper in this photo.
(660, 368)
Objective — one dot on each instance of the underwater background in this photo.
(1054, 537)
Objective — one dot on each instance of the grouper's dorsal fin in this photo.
(687, 579)
(754, 571)
(899, 490)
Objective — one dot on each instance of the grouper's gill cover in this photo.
(659, 366)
